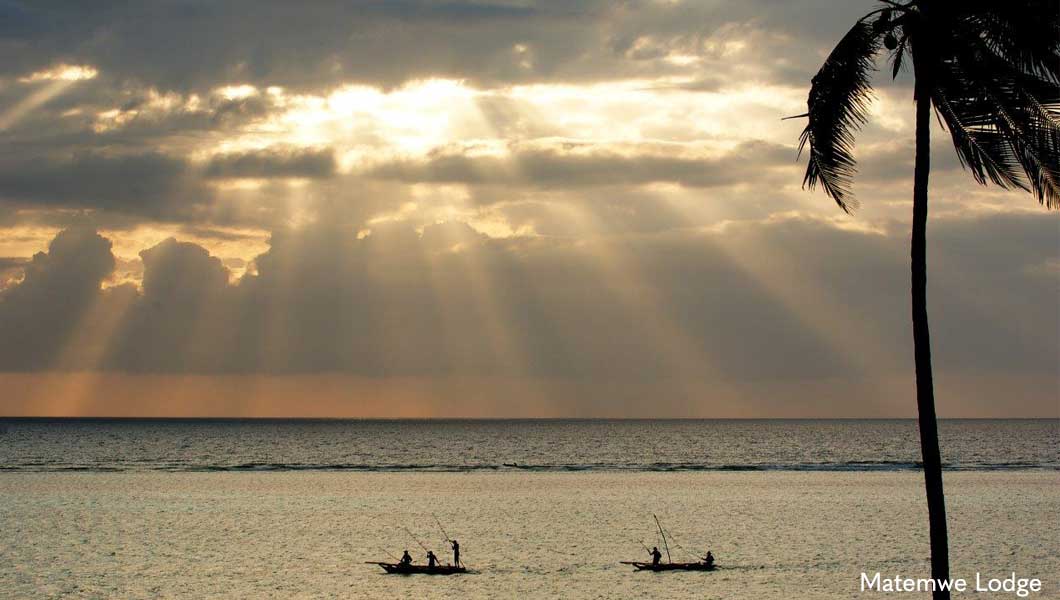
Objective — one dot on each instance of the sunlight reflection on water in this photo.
(306, 534)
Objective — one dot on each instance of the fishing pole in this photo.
(425, 549)
(388, 553)
(447, 540)
(695, 551)
(683, 549)
(442, 528)
(663, 534)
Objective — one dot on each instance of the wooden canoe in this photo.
(647, 566)
(400, 569)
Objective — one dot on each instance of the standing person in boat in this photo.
(432, 560)
(406, 559)
(709, 559)
(656, 556)
(456, 552)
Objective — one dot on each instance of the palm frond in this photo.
(1003, 115)
(838, 104)
(898, 56)
(1023, 34)
(977, 150)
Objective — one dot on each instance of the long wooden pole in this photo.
(663, 534)
(425, 549)
(442, 528)
(388, 554)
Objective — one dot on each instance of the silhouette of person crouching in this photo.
(406, 559)
(432, 560)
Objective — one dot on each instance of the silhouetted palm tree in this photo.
(991, 70)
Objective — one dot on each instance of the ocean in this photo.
(542, 509)
(530, 445)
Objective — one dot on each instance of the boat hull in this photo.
(400, 569)
(647, 566)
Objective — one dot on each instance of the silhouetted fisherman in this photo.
(432, 560)
(406, 559)
(456, 552)
(656, 556)
(708, 559)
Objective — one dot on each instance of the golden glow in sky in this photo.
(461, 199)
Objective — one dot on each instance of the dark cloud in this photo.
(274, 162)
(102, 115)
(584, 165)
(11, 269)
(121, 144)
(997, 275)
(150, 184)
(894, 163)
(60, 286)
(450, 301)
(178, 322)
(200, 45)
(12, 262)
(217, 234)
(186, 46)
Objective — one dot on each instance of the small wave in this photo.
(845, 466)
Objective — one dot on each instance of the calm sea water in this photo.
(786, 535)
(791, 509)
(546, 445)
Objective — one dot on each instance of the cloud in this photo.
(514, 75)
(388, 43)
(278, 162)
(178, 323)
(39, 314)
(778, 300)
(150, 184)
(12, 262)
(589, 190)
(579, 165)
(11, 269)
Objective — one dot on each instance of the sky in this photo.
(496, 208)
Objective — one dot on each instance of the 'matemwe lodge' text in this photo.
(1022, 586)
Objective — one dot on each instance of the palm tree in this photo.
(991, 71)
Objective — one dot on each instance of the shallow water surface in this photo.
(536, 535)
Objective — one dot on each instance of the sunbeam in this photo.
(34, 100)
(686, 364)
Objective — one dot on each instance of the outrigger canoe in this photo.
(647, 566)
(400, 569)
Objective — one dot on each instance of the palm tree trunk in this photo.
(925, 395)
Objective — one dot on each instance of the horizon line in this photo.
(456, 419)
